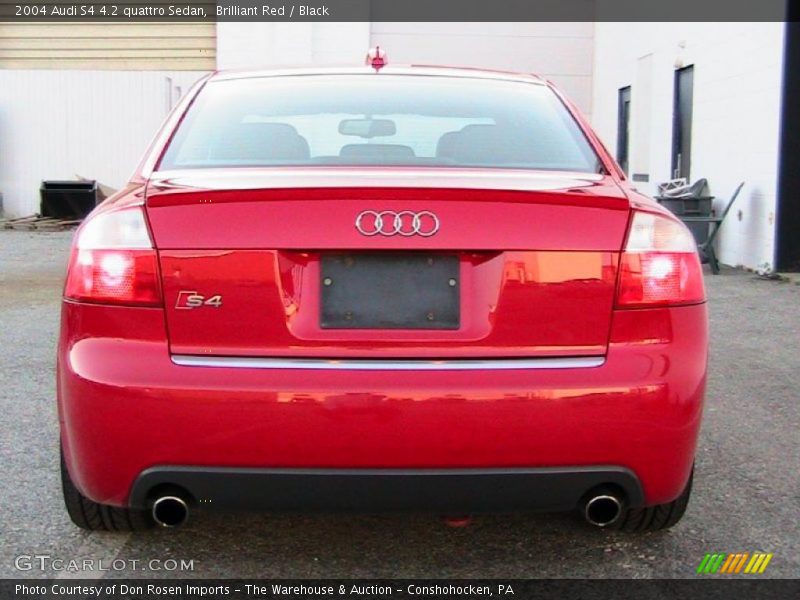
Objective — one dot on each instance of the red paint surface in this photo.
(126, 407)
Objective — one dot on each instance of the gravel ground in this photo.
(745, 497)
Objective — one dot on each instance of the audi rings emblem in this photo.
(405, 223)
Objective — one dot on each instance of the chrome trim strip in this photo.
(358, 364)
(257, 178)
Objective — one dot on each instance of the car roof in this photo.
(420, 70)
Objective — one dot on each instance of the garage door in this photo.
(118, 46)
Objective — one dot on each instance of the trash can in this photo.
(67, 199)
(690, 201)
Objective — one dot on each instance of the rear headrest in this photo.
(446, 144)
(446, 147)
(380, 153)
(491, 144)
(262, 141)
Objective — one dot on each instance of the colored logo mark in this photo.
(730, 564)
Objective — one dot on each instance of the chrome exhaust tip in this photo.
(170, 511)
(602, 509)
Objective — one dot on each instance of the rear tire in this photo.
(654, 518)
(93, 516)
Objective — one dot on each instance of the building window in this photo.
(623, 127)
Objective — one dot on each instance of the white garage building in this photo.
(85, 99)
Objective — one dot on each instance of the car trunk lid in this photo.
(519, 265)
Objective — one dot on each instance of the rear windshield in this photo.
(383, 120)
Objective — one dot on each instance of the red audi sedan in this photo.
(416, 289)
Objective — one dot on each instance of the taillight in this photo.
(660, 265)
(113, 261)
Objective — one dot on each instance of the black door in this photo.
(682, 123)
(788, 227)
(623, 127)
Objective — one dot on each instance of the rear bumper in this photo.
(126, 408)
(367, 490)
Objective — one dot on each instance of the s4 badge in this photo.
(188, 300)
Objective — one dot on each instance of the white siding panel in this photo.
(140, 46)
(264, 44)
(96, 124)
(560, 52)
(486, 29)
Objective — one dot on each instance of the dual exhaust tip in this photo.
(170, 511)
(600, 508)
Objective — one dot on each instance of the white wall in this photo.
(254, 45)
(736, 120)
(560, 52)
(57, 124)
